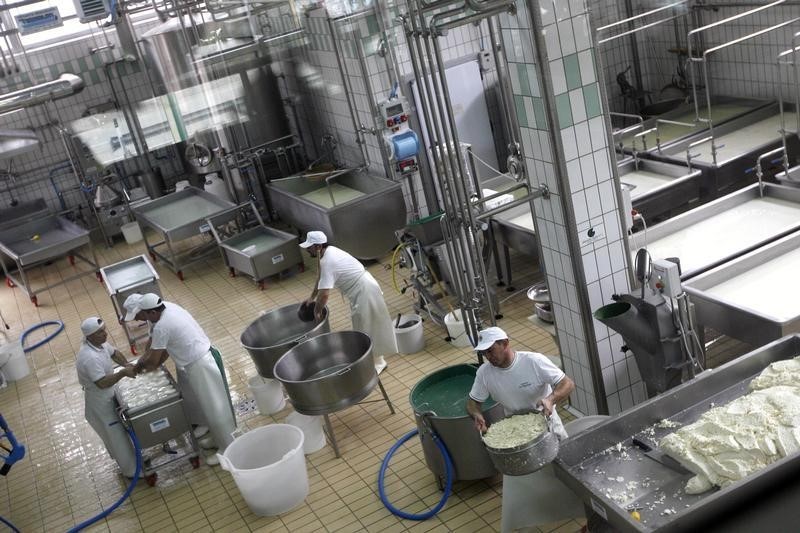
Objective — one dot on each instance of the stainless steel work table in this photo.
(599, 464)
(179, 216)
(39, 239)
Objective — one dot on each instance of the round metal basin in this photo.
(328, 372)
(440, 399)
(273, 334)
(527, 457)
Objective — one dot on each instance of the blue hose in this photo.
(47, 339)
(9, 524)
(96, 518)
(448, 464)
(122, 498)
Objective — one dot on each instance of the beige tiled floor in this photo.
(67, 477)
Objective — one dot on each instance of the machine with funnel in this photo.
(658, 326)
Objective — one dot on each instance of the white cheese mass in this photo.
(732, 441)
(515, 430)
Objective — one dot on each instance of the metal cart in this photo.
(180, 216)
(38, 239)
(152, 406)
(258, 252)
(124, 278)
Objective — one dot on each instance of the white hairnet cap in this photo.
(131, 305)
(92, 325)
(489, 336)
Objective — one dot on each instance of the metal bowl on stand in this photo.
(273, 334)
(539, 294)
(328, 372)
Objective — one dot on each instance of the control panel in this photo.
(395, 113)
(666, 278)
(401, 141)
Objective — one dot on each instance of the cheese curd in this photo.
(732, 441)
(147, 388)
(515, 430)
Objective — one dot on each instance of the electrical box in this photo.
(394, 113)
(39, 20)
(91, 10)
(486, 60)
(666, 278)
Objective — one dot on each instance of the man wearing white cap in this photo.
(175, 333)
(519, 381)
(338, 269)
(95, 366)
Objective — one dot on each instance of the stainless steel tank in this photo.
(440, 399)
(220, 57)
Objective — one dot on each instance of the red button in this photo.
(403, 118)
(390, 122)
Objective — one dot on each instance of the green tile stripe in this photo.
(591, 100)
(564, 110)
(572, 70)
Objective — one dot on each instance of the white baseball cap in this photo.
(137, 302)
(314, 237)
(489, 336)
(91, 325)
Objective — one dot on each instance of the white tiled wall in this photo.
(578, 172)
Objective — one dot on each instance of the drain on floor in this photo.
(245, 409)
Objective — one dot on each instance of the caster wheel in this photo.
(71, 259)
(152, 256)
(195, 462)
(133, 349)
(35, 301)
(180, 274)
(498, 316)
(261, 285)
(510, 289)
(9, 283)
(232, 272)
(501, 284)
(151, 479)
(99, 276)
(302, 267)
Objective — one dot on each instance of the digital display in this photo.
(394, 110)
(40, 20)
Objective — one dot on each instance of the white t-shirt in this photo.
(338, 269)
(180, 335)
(94, 363)
(529, 378)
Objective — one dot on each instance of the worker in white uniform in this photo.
(191, 406)
(175, 333)
(95, 366)
(338, 269)
(519, 381)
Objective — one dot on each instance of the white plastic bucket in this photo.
(268, 394)
(215, 185)
(180, 185)
(456, 329)
(311, 426)
(13, 362)
(132, 232)
(269, 468)
(410, 339)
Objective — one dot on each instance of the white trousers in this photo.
(99, 412)
(205, 381)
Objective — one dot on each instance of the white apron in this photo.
(99, 412)
(370, 315)
(206, 382)
(191, 405)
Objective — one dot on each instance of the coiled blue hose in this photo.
(448, 465)
(122, 498)
(47, 339)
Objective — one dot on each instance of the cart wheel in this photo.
(262, 285)
(133, 349)
(151, 479)
(180, 274)
(195, 462)
(35, 301)
(152, 256)
(71, 259)
(99, 276)
(9, 283)
(302, 267)
(232, 272)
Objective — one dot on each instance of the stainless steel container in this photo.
(328, 372)
(273, 334)
(439, 399)
(525, 458)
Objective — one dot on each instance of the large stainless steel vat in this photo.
(328, 372)
(439, 399)
(273, 334)
(359, 212)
